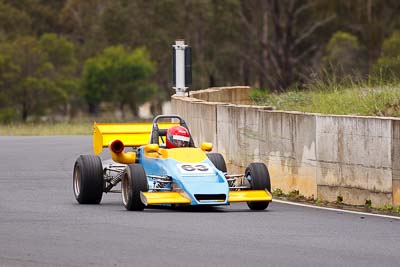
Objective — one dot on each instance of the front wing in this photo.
(159, 198)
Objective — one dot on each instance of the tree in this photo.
(42, 15)
(8, 75)
(283, 32)
(371, 21)
(13, 21)
(388, 65)
(61, 54)
(119, 76)
(342, 56)
(82, 22)
(26, 74)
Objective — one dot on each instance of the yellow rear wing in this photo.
(131, 134)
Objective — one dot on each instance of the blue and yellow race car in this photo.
(160, 172)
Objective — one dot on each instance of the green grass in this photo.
(38, 129)
(356, 99)
(78, 126)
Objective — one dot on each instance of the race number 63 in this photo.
(192, 168)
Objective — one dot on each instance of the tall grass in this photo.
(348, 97)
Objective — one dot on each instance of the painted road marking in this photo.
(333, 209)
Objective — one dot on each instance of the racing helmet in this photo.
(177, 136)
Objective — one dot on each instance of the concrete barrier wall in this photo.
(354, 158)
(357, 158)
(232, 95)
(396, 161)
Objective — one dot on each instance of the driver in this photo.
(177, 136)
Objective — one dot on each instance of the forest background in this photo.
(66, 59)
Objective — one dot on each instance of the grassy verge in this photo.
(342, 100)
(76, 128)
(295, 196)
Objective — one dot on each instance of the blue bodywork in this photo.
(202, 182)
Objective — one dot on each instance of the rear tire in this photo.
(218, 160)
(88, 181)
(134, 182)
(259, 178)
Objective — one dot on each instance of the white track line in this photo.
(332, 209)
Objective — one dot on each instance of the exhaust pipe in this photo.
(118, 154)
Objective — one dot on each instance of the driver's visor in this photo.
(181, 138)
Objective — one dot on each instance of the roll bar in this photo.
(156, 132)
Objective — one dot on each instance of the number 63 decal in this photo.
(197, 167)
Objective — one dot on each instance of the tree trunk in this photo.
(24, 112)
(261, 72)
(211, 80)
(245, 73)
(121, 108)
(134, 109)
(156, 107)
(93, 109)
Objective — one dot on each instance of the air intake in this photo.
(210, 197)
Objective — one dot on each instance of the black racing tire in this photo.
(88, 180)
(259, 180)
(218, 160)
(134, 182)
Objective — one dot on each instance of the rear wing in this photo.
(131, 134)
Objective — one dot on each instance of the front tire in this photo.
(88, 181)
(134, 182)
(258, 175)
(218, 160)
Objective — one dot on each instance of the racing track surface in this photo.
(41, 224)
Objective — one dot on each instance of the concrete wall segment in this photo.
(354, 196)
(396, 149)
(234, 94)
(396, 161)
(289, 150)
(354, 152)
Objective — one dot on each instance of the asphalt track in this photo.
(42, 225)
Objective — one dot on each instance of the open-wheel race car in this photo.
(164, 168)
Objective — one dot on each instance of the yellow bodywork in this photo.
(249, 195)
(150, 148)
(184, 154)
(159, 198)
(131, 134)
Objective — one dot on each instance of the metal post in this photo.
(179, 65)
